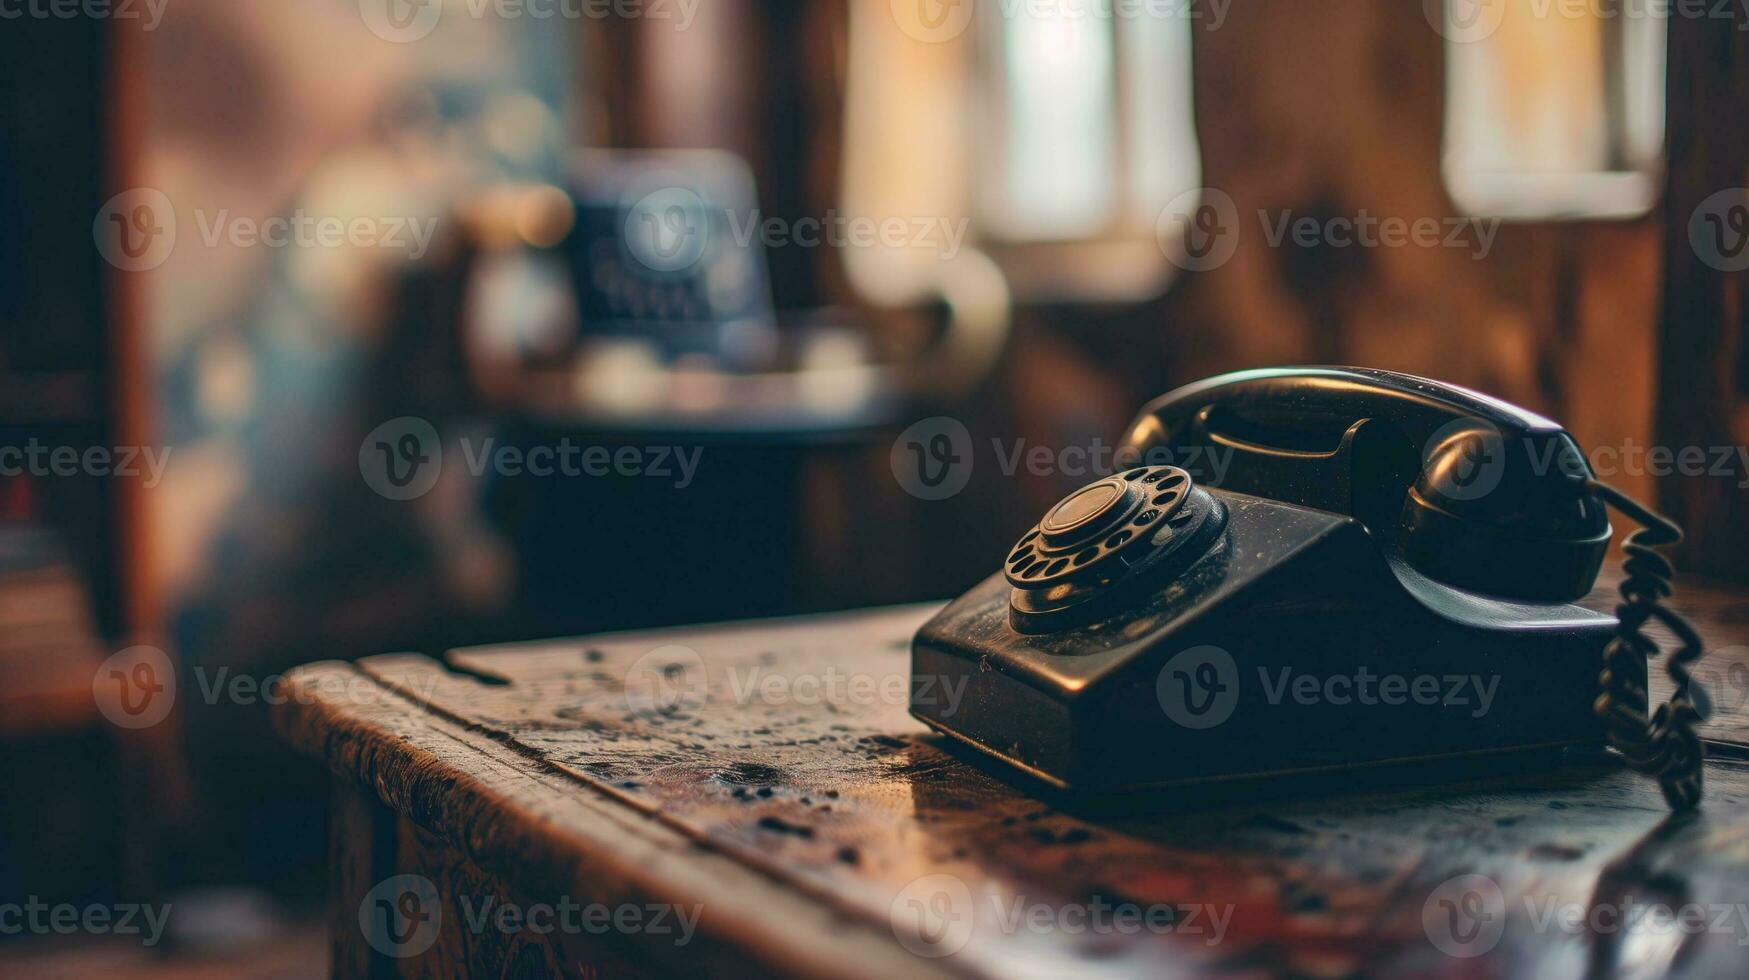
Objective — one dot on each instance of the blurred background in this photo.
(798, 289)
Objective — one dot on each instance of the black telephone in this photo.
(1317, 569)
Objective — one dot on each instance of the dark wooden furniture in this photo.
(819, 830)
(1703, 352)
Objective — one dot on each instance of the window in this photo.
(1058, 131)
(1554, 109)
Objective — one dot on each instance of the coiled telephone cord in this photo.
(1667, 745)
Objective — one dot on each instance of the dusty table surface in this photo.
(769, 774)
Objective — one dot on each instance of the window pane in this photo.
(1553, 109)
(1061, 175)
(1165, 160)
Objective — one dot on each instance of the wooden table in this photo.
(768, 778)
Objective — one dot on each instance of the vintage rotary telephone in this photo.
(1318, 569)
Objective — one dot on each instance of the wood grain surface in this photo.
(769, 775)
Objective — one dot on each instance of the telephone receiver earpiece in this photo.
(1467, 489)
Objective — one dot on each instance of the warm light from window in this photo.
(1554, 110)
(1058, 128)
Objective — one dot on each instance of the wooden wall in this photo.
(1704, 360)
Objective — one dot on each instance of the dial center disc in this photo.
(1082, 508)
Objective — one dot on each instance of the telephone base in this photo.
(1294, 646)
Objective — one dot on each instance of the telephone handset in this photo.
(1296, 565)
